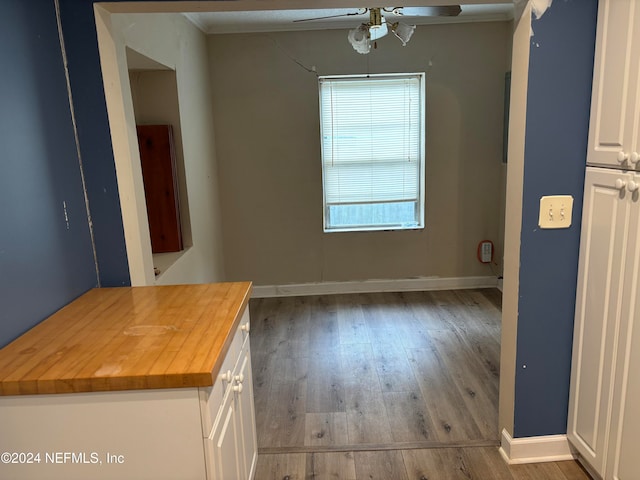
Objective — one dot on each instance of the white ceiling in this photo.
(284, 20)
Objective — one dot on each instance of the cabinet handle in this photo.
(635, 157)
(239, 378)
(245, 327)
(622, 156)
(620, 184)
(632, 186)
(237, 388)
(226, 376)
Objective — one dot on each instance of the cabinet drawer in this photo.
(211, 397)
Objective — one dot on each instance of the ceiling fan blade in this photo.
(447, 11)
(362, 12)
(444, 11)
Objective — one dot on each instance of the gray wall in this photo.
(46, 260)
(267, 136)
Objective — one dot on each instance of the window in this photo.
(372, 136)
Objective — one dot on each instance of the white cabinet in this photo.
(624, 439)
(223, 447)
(603, 423)
(246, 416)
(194, 433)
(625, 432)
(615, 104)
(604, 403)
(231, 446)
(604, 226)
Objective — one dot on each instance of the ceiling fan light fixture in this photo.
(403, 31)
(362, 36)
(360, 39)
(379, 32)
(375, 18)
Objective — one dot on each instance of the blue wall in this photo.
(44, 262)
(81, 42)
(559, 96)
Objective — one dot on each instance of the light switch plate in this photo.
(555, 211)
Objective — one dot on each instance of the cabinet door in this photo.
(622, 460)
(603, 241)
(246, 415)
(222, 446)
(614, 103)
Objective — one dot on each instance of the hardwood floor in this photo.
(471, 463)
(375, 385)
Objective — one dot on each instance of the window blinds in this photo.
(371, 138)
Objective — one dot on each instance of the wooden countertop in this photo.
(127, 338)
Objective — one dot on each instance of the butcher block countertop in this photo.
(127, 338)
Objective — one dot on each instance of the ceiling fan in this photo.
(378, 26)
(445, 11)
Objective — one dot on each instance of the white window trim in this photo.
(420, 203)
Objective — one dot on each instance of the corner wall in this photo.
(171, 40)
(513, 216)
(79, 31)
(558, 108)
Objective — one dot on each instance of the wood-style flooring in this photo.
(372, 386)
(470, 463)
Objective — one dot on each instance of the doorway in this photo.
(128, 185)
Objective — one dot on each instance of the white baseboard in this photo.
(548, 448)
(373, 286)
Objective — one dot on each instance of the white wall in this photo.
(513, 216)
(266, 112)
(175, 43)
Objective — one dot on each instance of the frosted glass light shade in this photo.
(360, 39)
(403, 32)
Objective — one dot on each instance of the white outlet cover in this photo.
(555, 211)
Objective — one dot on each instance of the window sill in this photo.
(163, 261)
(373, 229)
